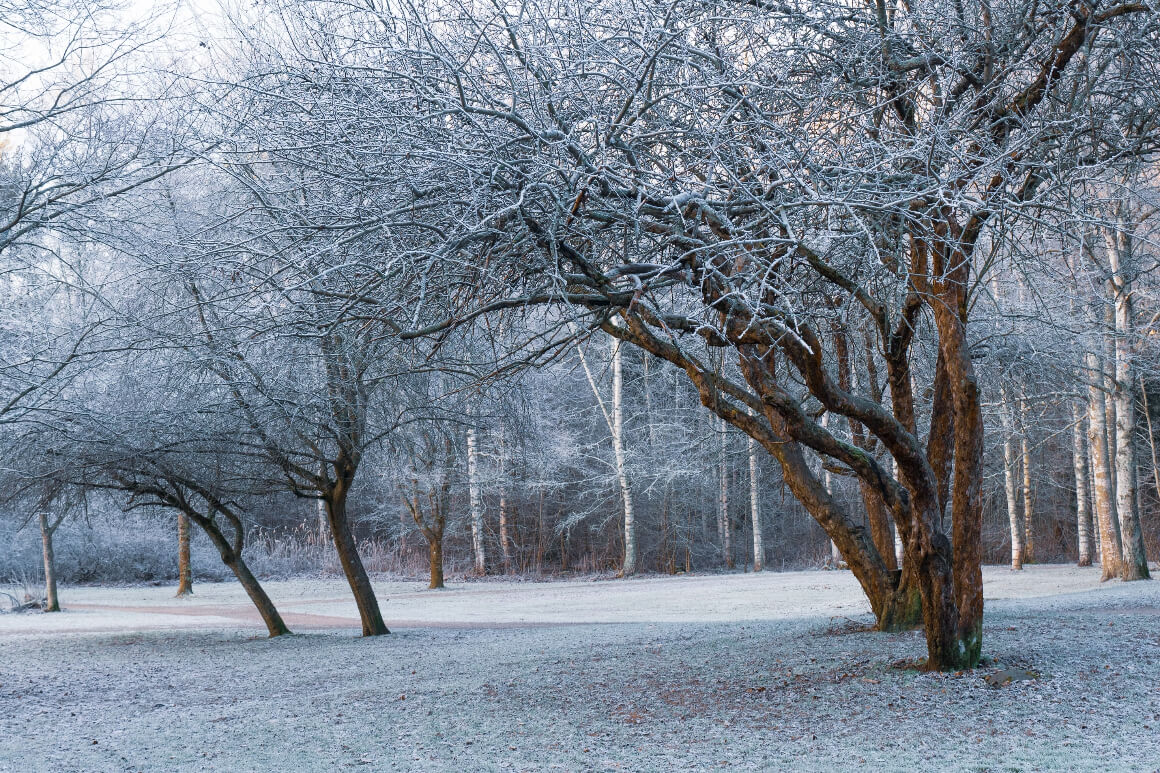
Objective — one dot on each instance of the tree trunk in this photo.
(958, 643)
(51, 602)
(1151, 438)
(435, 560)
(1110, 551)
(352, 565)
(232, 558)
(1010, 482)
(274, 623)
(1083, 515)
(475, 501)
(628, 565)
(504, 536)
(755, 510)
(505, 540)
(184, 571)
(880, 530)
(723, 530)
(1028, 500)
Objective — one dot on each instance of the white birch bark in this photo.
(1083, 514)
(615, 422)
(755, 511)
(1010, 479)
(475, 501)
(898, 546)
(1028, 502)
(723, 530)
(1134, 565)
(504, 536)
(629, 564)
(1110, 551)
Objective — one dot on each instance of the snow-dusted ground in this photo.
(752, 672)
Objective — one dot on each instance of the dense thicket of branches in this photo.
(891, 261)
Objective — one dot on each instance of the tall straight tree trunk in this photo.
(504, 536)
(628, 565)
(1109, 375)
(1010, 480)
(504, 514)
(1135, 562)
(1110, 550)
(184, 570)
(723, 530)
(1151, 439)
(755, 510)
(615, 422)
(1028, 500)
(47, 530)
(1083, 515)
(475, 503)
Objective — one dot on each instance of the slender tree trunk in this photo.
(51, 603)
(475, 501)
(1010, 482)
(628, 565)
(1028, 500)
(1083, 515)
(504, 506)
(755, 510)
(232, 558)
(1151, 439)
(269, 613)
(1135, 562)
(504, 537)
(899, 548)
(1110, 551)
(184, 571)
(1109, 394)
(352, 565)
(323, 529)
(723, 530)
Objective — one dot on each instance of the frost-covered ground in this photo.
(751, 672)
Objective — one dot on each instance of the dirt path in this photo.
(296, 621)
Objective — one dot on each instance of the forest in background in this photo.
(563, 286)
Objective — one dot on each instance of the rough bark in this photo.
(1109, 527)
(628, 566)
(231, 554)
(351, 562)
(435, 563)
(184, 570)
(958, 642)
(1028, 499)
(1134, 564)
(755, 510)
(1010, 482)
(475, 502)
(723, 530)
(1083, 513)
(505, 538)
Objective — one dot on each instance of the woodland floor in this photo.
(742, 671)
